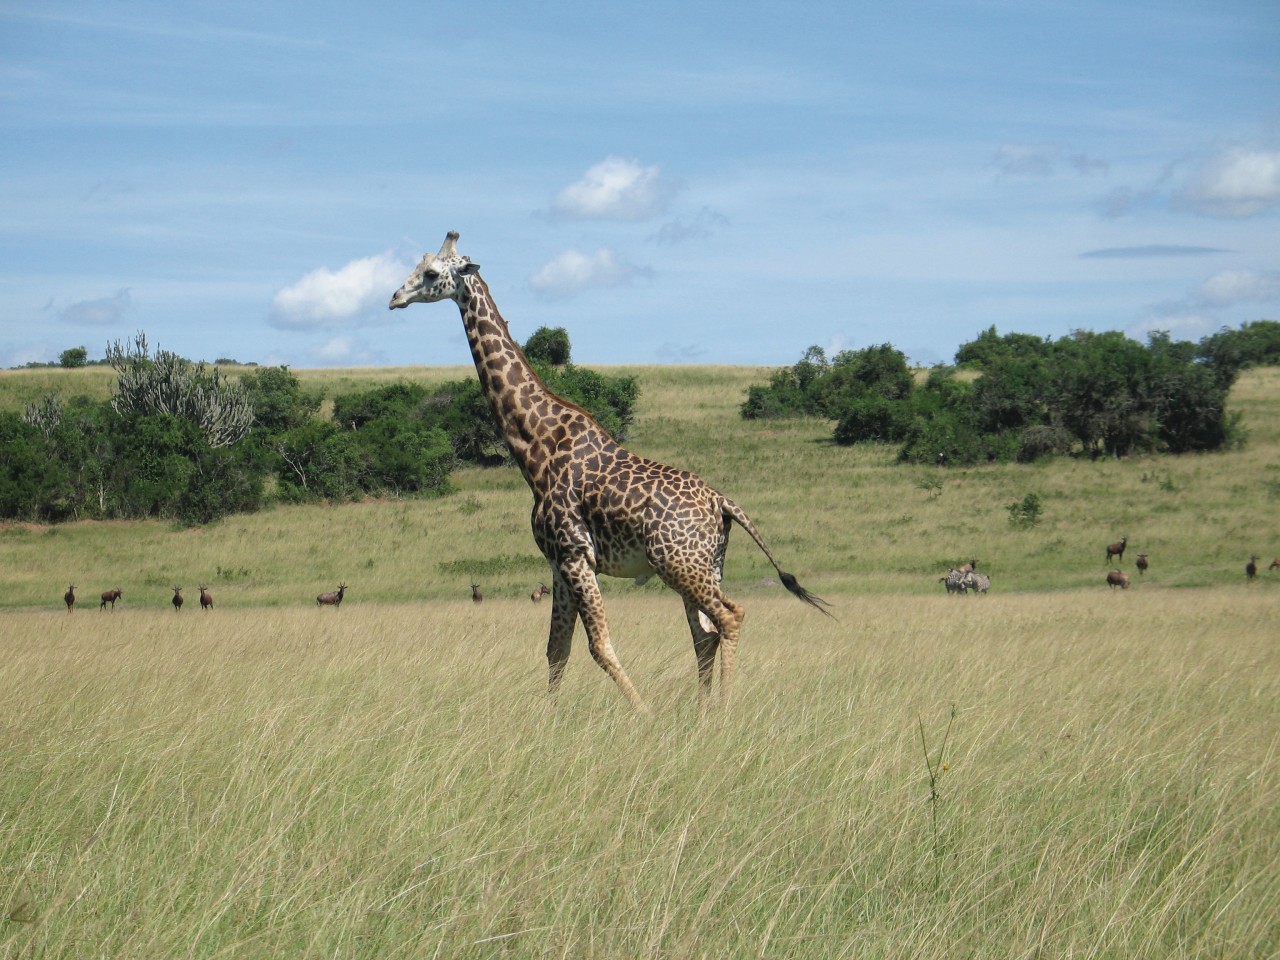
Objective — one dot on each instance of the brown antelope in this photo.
(1117, 579)
(1142, 563)
(70, 597)
(476, 595)
(177, 599)
(539, 593)
(206, 601)
(969, 567)
(1116, 549)
(333, 599)
(1274, 563)
(1251, 568)
(110, 596)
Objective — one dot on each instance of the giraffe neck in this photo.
(522, 405)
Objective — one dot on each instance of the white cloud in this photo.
(1236, 183)
(333, 298)
(345, 350)
(1207, 307)
(1228, 287)
(103, 312)
(572, 272)
(615, 189)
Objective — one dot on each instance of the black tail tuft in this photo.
(817, 603)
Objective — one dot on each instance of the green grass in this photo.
(387, 780)
(847, 521)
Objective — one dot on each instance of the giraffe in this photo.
(597, 508)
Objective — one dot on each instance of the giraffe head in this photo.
(438, 277)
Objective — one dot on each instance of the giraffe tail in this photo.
(732, 511)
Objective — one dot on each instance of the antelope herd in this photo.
(332, 598)
(959, 580)
(965, 578)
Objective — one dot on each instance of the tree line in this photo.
(1018, 397)
(180, 440)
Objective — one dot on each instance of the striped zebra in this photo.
(955, 580)
(978, 582)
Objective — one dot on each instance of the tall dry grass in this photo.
(390, 781)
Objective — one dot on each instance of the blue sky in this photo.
(671, 182)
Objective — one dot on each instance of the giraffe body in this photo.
(597, 507)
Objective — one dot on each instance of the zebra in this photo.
(955, 580)
(978, 582)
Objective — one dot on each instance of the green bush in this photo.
(549, 345)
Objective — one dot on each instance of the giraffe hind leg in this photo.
(715, 622)
(706, 641)
(564, 616)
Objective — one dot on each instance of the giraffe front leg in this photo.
(580, 580)
(564, 615)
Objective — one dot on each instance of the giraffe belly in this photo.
(631, 564)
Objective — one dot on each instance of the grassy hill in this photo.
(849, 521)
(1053, 770)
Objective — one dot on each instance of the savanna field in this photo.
(1056, 769)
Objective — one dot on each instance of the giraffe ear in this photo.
(468, 268)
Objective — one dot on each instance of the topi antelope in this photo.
(1251, 568)
(1117, 579)
(110, 596)
(177, 599)
(1142, 563)
(206, 601)
(1116, 549)
(333, 599)
(476, 595)
(539, 593)
(969, 567)
(70, 597)
(1274, 564)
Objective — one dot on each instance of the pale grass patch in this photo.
(390, 781)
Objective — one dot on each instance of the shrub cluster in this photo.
(1020, 397)
(178, 441)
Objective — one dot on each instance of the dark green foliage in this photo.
(403, 457)
(793, 391)
(549, 345)
(152, 451)
(33, 483)
(1092, 393)
(459, 408)
(279, 402)
(316, 461)
(817, 388)
(1230, 351)
(73, 358)
(387, 455)
(99, 464)
(990, 347)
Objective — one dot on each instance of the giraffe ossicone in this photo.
(597, 507)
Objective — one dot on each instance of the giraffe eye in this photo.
(431, 275)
